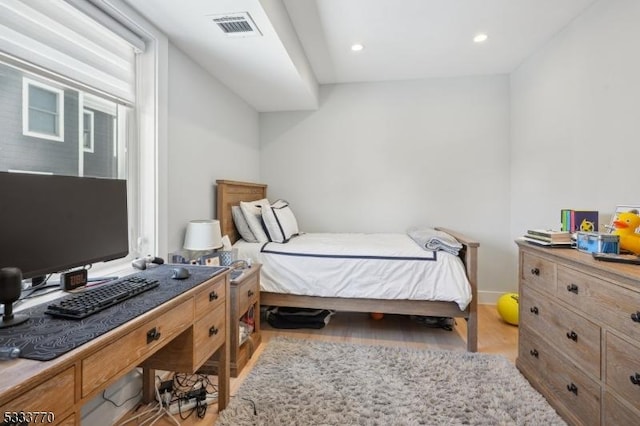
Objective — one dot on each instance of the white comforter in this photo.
(354, 265)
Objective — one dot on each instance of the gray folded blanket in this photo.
(430, 239)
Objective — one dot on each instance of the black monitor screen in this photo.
(49, 224)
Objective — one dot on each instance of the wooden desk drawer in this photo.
(127, 352)
(566, 384)
(571, 334)
(247, 293)
(611, 304)
(55, 395)
(623, 368)
(209, 334)
(210, 297)
(539, 273)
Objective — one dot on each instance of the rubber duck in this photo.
(625, 225)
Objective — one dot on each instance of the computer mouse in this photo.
(180, 273)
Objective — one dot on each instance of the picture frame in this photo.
(212, 259)
(621, 208)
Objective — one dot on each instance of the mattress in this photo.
(357, 265)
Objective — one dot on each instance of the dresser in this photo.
(579, 334)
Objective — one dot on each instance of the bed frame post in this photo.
(469, 256)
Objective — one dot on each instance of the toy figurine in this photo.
(625, 226)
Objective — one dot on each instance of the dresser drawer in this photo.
(571, 334)
(611, 304)
(209, 334)
(246, 293)
(54, 395)
(210, 296)
(623, 368)
(539, 273)
(565, 383)
(618, 413)
(127, 352)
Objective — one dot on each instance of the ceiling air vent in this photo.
(237, 25)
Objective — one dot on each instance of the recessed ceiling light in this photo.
(357, 47)
(480, 38)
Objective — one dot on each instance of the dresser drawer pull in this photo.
(535, 271)
(534, 353)
(572, 288)
(152, 335)
(213, 331)
(572, 335)
(534, 310)
(213, 296)
(572, 388)
(635, 379)
(250, 293)
(635, 317)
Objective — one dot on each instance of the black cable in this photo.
(253, 404)
(123, 402)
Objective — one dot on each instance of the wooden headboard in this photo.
(230, 193)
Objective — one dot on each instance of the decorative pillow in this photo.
(241, 225)
(280, 222)
(252, 211)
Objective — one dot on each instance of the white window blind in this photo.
(59, 38)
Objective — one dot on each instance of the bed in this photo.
(231, 193)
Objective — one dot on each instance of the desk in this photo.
(189, 329)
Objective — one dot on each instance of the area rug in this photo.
(304, 382)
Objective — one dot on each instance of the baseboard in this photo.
(489, 297)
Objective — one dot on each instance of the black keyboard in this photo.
(93, 300)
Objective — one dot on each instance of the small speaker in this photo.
(10, 290)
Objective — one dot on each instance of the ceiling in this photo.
(306, 43)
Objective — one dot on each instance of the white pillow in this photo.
(252, 211)
(280, 221)
(241, 225)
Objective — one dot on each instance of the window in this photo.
(42, 110)
(87, 131)
(105, 68)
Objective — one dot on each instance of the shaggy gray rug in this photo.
(303, 382)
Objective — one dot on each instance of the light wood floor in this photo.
(494, 336)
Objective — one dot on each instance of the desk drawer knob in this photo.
(535, 271)
(213, 331)
(573, 389)
(572, 335)
(572, 288)
(152, 335)
(534, 353)
(534, 310)
(635, 317)
(213, 296)
(250, 293)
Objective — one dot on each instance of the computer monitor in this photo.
(50, 224)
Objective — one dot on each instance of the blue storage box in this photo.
(597, 242)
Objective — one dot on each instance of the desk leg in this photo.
(148, 385)
(224, 369)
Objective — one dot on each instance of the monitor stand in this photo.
(10, 289)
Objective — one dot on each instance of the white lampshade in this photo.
(203, 235)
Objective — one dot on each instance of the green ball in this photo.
(508, 308)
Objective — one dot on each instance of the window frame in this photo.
(91, 147)
(27, 83)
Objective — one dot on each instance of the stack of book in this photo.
(547, 237)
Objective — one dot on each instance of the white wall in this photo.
(380, 157)
(213, 134)
(575, 120)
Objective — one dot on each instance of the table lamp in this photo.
(202, 236)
